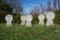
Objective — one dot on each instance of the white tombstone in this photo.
(50, 16)
(9, 19)
(41, 18)
(29, 19)
(23, 19)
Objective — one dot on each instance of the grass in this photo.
(36, 32)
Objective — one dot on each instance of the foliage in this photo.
(36, 32)
(4, 10)
(57, 18)
(4, 5)
(16, 6)
(3, 13)
(35, 19)
(16, 18)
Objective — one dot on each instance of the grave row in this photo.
(27, 19)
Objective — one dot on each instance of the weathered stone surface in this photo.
(9, 19)
(41, 18)
(50, 17)
(23, 19)
(29, 19)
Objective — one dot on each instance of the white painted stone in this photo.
(41, 18)
(50, 16)
(23, 19)
(29, 19)
(9, 19)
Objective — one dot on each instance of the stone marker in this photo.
(9, 19)
(50, 16)
(41, 18)
(23, 19)
(29, 19)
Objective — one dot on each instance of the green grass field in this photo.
(36, 32)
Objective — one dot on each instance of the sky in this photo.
(29, 4)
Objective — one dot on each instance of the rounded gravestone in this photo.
(9, 19)
(23, 19)
(41, 18)
(50, 17)
(29, 19)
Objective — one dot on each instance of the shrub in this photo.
(16, 18)
(35, 19)
(57, 18)
(3, 13)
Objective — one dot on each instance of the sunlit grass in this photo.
(36, 32)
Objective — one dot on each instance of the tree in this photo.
(58, 4)
(19, 8)
(42, 8)
(35, 11)
(57, 12)
(16, 6)
(4, 6)
(57, 17)
(4, 10)
(49, 5)
(55, 4)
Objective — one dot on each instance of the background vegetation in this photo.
(57, 18)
